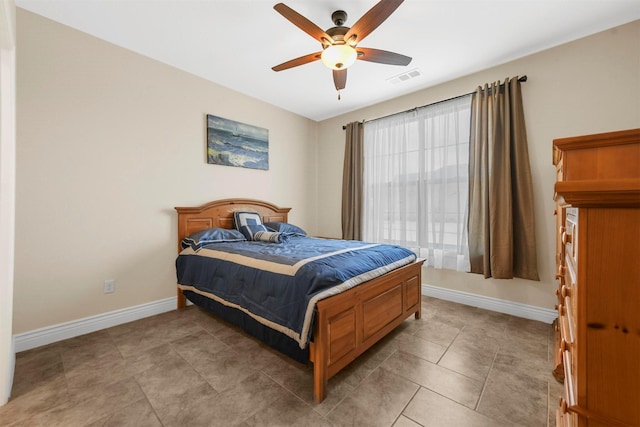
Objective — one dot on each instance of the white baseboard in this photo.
(494, 304)
(63, 331)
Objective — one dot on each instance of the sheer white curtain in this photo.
(416, 182)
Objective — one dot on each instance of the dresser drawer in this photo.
(569, 235)
(568, 352)
(569, 290)
(570, 389)
(560, 214)
(561, 285)
(567, 321)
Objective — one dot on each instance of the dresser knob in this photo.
(563, 405)
(564, 345)
(566, 238)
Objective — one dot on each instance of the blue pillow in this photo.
(250, 230)
(211, 235)
(241, 218)
(286, 228)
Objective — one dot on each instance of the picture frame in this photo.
(232, 143)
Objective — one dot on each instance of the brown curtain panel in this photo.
(352, 182)
(502, 241)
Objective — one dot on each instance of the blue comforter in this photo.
(279, 284)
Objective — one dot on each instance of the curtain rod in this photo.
(520, 79)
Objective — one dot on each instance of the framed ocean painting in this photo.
(232, 143)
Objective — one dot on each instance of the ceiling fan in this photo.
(340, 44)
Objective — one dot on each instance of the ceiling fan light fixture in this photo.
(339, 56)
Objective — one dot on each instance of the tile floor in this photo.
(457, 366)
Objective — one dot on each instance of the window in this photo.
(416, 181)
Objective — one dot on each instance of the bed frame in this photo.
(347, 324)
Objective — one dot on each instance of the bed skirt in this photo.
(273, 338)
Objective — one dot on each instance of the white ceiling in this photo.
(236, 42)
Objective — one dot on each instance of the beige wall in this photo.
(108, 143)
(588, 86)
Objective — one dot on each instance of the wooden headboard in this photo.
(219, 213)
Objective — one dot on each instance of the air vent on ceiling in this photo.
(406, 76)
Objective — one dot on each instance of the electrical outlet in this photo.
(109, 286)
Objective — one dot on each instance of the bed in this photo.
(340, 326)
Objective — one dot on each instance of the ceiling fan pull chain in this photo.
(338, 95)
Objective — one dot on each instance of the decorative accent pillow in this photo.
(211, 235)
(250, 230)
(242, 218)
(270, 236)
(286, 228)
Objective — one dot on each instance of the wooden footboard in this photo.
(349, 323)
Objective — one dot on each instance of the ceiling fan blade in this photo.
(303, 23)
(340, 78)
(298, 61)
(382, 56)
(371, 20)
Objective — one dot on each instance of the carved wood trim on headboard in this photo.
(219, 213)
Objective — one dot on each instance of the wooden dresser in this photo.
(598, 271)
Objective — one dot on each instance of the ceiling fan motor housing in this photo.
(337, 33)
